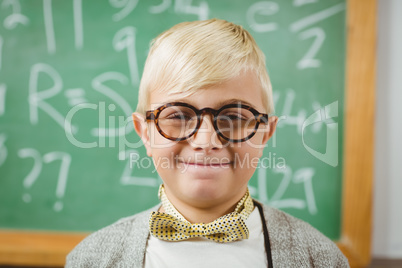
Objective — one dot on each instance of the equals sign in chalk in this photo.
(75, 96)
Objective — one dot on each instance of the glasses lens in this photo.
(236, 123)
(177, 121)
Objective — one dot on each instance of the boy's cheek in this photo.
(164, 164)
(157, 142)
(166, 158)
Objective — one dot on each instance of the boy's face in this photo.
(206, 170)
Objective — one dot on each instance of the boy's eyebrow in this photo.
(231, 101)
(222, 103)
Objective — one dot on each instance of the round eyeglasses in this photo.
(179, 121)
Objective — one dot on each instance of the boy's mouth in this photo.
(207, 164)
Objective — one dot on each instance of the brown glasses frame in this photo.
(153, 115)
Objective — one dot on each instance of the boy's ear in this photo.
(141, 127)
(271, 127)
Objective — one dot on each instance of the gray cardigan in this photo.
(294, 243)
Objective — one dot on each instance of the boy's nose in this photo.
(206, 137)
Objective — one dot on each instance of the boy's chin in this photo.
(204, 194)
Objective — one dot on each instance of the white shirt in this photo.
(201, 252)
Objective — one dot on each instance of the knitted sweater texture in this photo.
(294, 243)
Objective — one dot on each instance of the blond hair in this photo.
(198, 54)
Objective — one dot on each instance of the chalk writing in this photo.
(265, 8)
(185, 7)
(126, 5)
(301, 176)
(182, 7)
(33, 175)
(49, 25)
(49, 28)
(37, 99)
(35, 171)
(305, 176)
(1, 51)
(3, 148)
(75, 96)
(316, 17)
(78, 27)
(3, 90)
(308, 60)
(98, 84)
(298, 3)
(63, 175)
(128, 179)
(161, 7)
(125, 39)
(12, 21)
(286, 118)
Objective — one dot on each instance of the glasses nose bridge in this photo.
(203, 112)
(207, 110)
(210, 126)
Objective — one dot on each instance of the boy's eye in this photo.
(233, 116)
(179, 116)
(236, 114)
(177, 113)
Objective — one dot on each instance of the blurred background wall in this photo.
(387, 233)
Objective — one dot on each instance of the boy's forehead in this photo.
(244, 88)
(217, 104)
(203, 98)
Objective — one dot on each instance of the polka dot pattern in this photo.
(172, 226)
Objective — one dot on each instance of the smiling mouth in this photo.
(207, 164)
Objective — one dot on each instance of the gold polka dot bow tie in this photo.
(172, 226)
(227, 228)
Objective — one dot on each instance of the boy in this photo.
(204, 104)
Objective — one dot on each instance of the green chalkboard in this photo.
(81, 61)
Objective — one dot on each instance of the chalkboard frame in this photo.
(49, 249)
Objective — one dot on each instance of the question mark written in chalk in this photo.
(33, 175)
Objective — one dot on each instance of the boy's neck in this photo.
(204, 214)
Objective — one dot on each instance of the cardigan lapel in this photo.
(140, 234)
